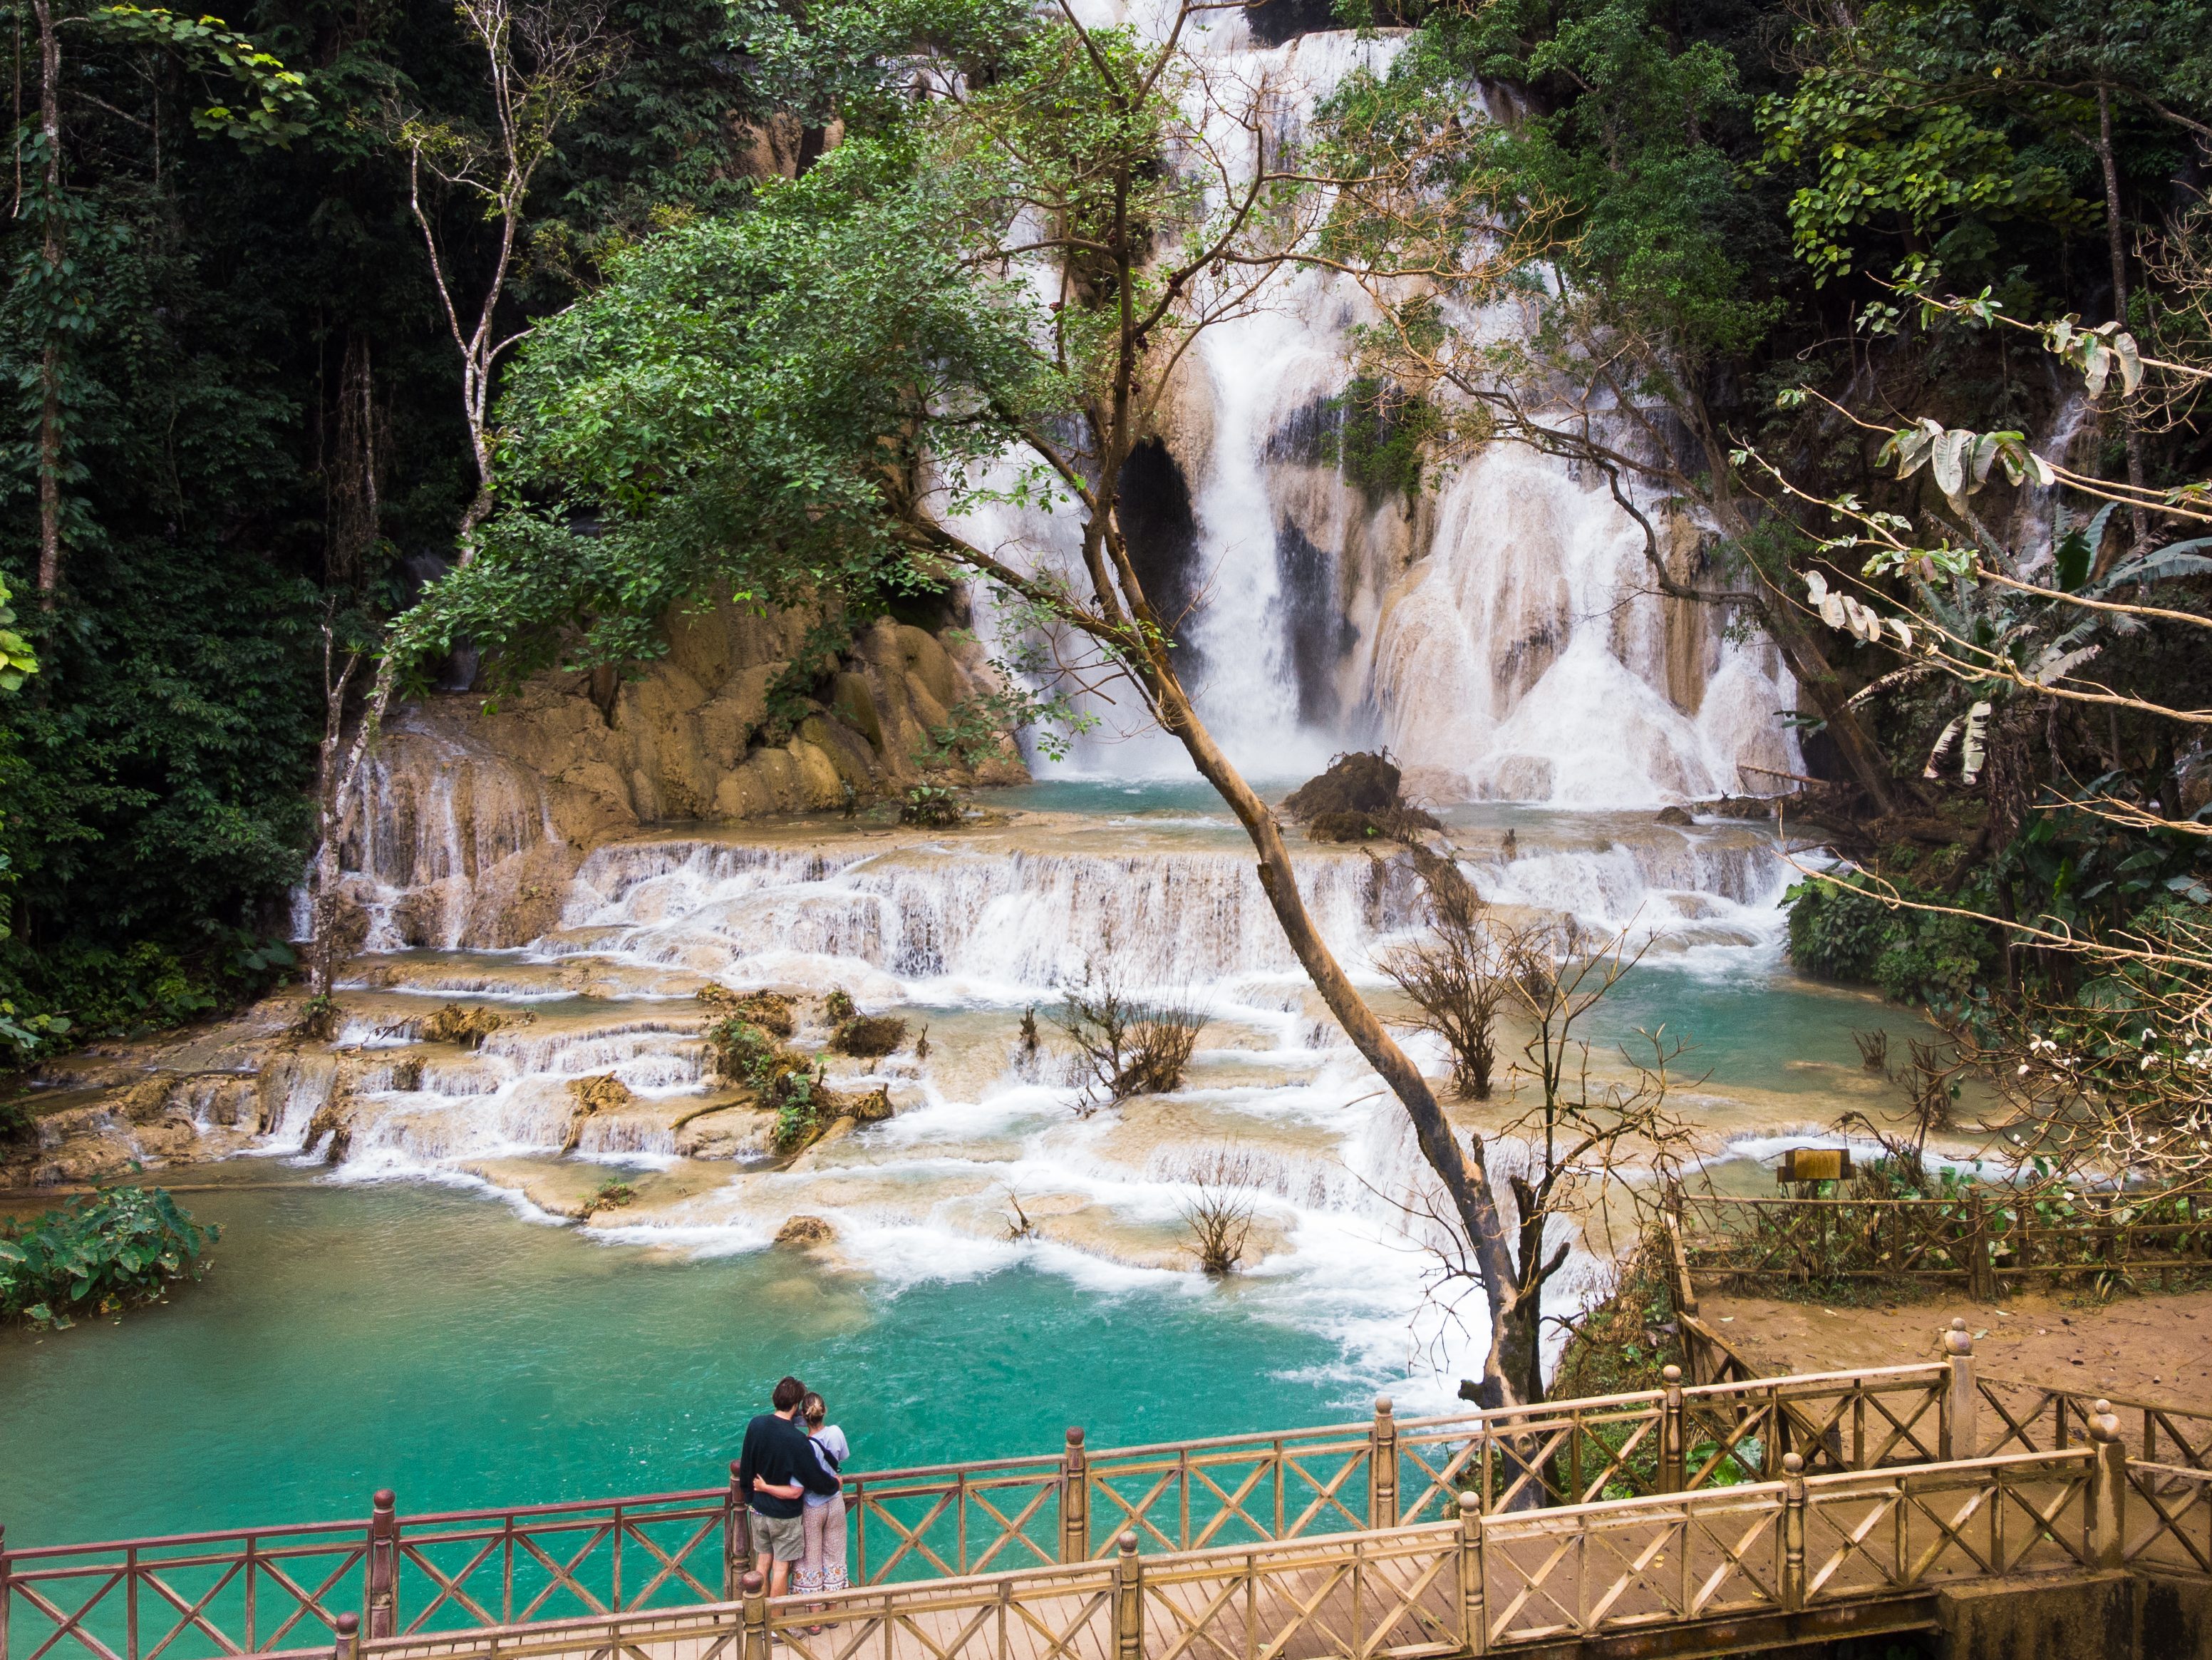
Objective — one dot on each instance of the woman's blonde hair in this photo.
(813, 1408)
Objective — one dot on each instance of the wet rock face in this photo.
(475, 821)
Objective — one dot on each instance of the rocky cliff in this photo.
(475, 814)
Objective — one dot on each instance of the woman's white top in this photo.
(829, 1443)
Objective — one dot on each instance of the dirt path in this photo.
(2155, 1347)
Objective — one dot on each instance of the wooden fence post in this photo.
(1474, 1618)
(348, 1646)
(2108, 1488)
(1382, 1467)
(1074, 1500)
(1672, 1459)
(1956, 1437)
(755, 1591)
(737, 1544)
(7, 1595)
(384, 1566)
(1128, 1601)
(1793, 1533)
(1981, 1272)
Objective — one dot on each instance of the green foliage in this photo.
(778, 1078)
(101, 1252)
(718, 410)
(1620, 161)
(938, 805)
(18, 662)
(276, 103)
(1380, 436)
(1843, 929)
(791, 694)
(1933, 122)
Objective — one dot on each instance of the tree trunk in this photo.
(1466, 1179)
(49, 360)
(2115, 243)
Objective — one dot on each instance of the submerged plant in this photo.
(99, 1253)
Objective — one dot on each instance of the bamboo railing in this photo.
(1979, 1238)
(192, 1596)
(1861, 1551)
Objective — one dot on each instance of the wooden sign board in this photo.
(1815, 1164)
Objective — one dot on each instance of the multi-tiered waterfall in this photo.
(1492, 630)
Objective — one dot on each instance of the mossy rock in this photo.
(771, 1011)
(469, 1024)
(869, 1036)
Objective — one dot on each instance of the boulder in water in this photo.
(1359, 799)
(469, 1024)
(1675, 816)
(805, 1231)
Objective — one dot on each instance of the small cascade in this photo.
(444, 835)
(1018, 921)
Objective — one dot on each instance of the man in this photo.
(776, 1469)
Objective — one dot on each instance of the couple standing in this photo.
(787, 1474)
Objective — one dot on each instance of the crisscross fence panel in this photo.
(2169, 1520)
(1976, 1238)
(1864, 1547)
(2018, 1416)
(1854, 1420)
(195, 1596)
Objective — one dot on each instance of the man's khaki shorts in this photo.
(781, 1538)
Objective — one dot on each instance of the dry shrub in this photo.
(603, 1092)
(869, 1036)
(1218, 1213)
(1126, 1045)
(1459, 975)
(469, 1024)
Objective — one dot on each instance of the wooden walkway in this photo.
(1854, 1553)
(1829, 1502)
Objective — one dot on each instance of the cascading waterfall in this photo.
(1495, 632)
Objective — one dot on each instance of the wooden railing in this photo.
(192, 1596)
(1860, 1552)
(1977, 1240)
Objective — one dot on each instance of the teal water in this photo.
(424, 1339)
(1756, 1025)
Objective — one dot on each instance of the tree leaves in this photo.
(1961, 459)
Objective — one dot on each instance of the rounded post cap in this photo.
(1075, 1435)
(1128, 1543)
(348, 1624)
(1792, 1465)
(753, 1582)
(1955, 1340)
(385, 1498)
(1671, 1374)
(1470, 1504)
(1382, 1406)
(2103, 1422)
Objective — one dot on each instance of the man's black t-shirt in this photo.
(779, 1452)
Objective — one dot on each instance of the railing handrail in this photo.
(2073, 1392)
(977, 1589)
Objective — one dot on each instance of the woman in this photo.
(822, 1567)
